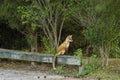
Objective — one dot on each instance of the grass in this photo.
(112, 72)
(105, 74)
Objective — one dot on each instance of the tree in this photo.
(52, 14)
(9, 16)
(29, 17)
(100, 22)
(8, 12)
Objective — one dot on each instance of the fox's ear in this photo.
(71, 35)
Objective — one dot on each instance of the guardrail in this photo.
(38, 57)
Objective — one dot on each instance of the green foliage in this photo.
(88, 68)
(28, 16)
(91, 35)
(52, 15)
(101, 31)
(8, 12)
(18, 16)
(29, 39)
(78, 54)
(47, 47)
(99, 19)
(115, 49)
(61, 69)
(115, 52)
(95, 30)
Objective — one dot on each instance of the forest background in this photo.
(41, 25)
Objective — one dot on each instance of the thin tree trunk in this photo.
(34, 47)
(102, 55)
(107, 50)
(87, 50)
(104, 52)
(36, 43)
(32, 50)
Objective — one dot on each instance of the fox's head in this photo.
(69, 38)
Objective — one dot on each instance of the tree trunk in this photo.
(34, 47)
(87, 52)
(34, 43)
(104, 51)
(102, 55)
(107, 50)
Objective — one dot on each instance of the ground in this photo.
(21, 70)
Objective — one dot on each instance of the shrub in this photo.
(87, 68)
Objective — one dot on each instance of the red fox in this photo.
(62, 48)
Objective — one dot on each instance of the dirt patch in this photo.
(23, 65)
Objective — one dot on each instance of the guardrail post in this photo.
(80, 68)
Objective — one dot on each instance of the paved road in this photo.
(32, 75)
(25, 75)
(29, 75)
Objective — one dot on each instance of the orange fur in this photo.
(62, 48)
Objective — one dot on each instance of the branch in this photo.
(60, 31)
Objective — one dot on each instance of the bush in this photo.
(88, 68)
(47, 48)
(115, 52)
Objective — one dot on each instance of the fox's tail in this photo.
(54, 61)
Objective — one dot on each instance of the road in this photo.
(29, 75)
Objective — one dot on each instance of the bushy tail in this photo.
(54, 61)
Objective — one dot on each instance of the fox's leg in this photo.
(66, 51)
(62, 52)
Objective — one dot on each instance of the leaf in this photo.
(24, 22)
(33, 26)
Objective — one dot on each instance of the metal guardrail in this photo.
(38, 57)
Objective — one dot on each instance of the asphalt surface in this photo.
(32, 75)
(26, 75)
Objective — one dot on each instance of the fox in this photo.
(61, 49)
